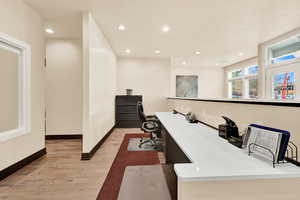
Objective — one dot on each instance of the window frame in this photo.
(24, 86)
(268, 57)
(245, 82)
(247, 87)
(269, 68)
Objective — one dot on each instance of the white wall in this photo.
(64, 87)
(281, 117)
(23, 23)
(210, 80)
(147, 77)
(99, 84)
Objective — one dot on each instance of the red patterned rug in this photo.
(124, 158)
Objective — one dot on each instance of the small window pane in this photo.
(284, 86)
(235, 74)
(237, 89)
(286, 50)
(283, 58)
(252, 69)
(253, 92)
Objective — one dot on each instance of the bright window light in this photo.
(165, 29)
(122, 27)
(49, 30)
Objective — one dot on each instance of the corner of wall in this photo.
(99, 83)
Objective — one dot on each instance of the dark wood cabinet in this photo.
(172, 151)
(126, 111)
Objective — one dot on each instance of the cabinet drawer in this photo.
(126, 109)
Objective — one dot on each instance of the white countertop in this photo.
(296, 101)
(213, 158)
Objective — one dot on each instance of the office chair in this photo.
(150, 124)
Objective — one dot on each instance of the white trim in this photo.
(10, 134)
(280, 39)
(236, 78)
(269, 57)
(267, 65)
(9, 48)
(24, 85)
(229, 91)
(251, 76)
(65, 133)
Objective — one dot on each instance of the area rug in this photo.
(124, 158)
(144, 182)
(134, 145)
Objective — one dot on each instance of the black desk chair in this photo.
(150, 124)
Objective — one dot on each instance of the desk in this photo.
(213, 159)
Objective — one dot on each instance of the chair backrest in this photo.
(140, 112)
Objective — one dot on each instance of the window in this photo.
(284, 86)
(236, 74)
(15, 86)
(243, 83)
(237, 89)
(252, 70)
(280, 58)
(253, 92)
(285, 50)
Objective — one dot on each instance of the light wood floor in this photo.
(61, 175)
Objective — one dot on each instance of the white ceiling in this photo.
(68, 27)
(219, 29)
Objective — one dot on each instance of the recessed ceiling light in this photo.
(241, 54)
(217, 64)
(49, 30)
(128, 51)
(165, 29)
(157, 51)
(121, 27)
(184, 63)
(197, 52)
